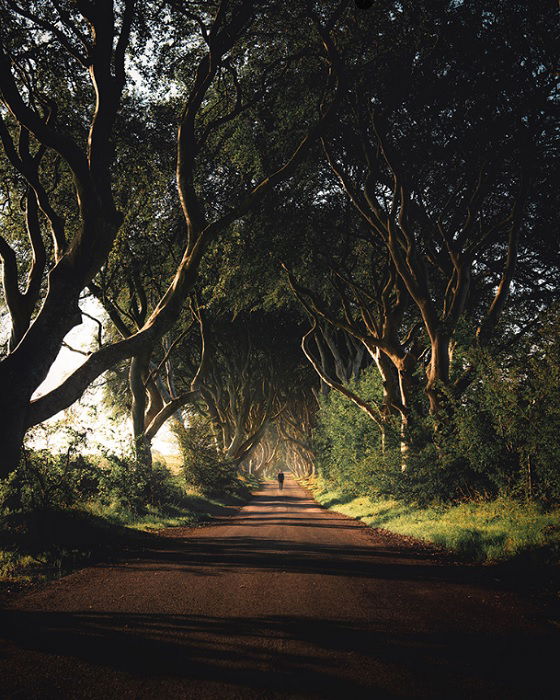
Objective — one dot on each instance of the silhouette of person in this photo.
(280, 478)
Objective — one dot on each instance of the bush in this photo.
(135, 486)
(507, 426)
(47, 481)
(346, 441)
(500, 438)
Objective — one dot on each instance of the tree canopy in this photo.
(280, 205)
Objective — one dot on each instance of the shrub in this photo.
(46, 481)
(501, 437)
(346, 440)
(134, 485)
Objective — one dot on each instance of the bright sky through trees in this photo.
(104, 432)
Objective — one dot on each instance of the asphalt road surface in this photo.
(282, 600)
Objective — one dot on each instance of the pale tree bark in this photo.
(137, 376)
(299, 454)
(294, 428)
(265, 454)
(241, 406)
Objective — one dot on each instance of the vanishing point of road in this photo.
(282, 600)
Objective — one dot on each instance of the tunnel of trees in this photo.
(320, 237)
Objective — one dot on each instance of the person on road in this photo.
(280, 478)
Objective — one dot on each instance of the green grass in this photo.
(40, 545)
(193, 509)
(44, 544)
(483, 531)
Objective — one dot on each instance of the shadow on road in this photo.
(209, 649)
(213, 556)
(395, 623)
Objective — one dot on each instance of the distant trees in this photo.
(240, 387)
(251, 405)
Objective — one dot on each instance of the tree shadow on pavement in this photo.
(311, 657)
(214, 556)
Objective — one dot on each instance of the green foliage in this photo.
(502, 437)
(134, 486)
(346, 439)
(48, 481)
(507, 426)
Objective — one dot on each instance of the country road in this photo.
(283, 599)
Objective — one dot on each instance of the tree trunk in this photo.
(136, 377)
(383, 439)
(24, 369)
(405, 443)
(408, 386)
(13, 426)
(21, 373)
(324, 364)
(392, 394)
(438, 370)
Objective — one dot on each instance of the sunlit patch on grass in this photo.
(480, 531)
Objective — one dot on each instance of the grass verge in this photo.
(480, 531)
(44, 544)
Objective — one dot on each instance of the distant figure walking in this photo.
(280, 478)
